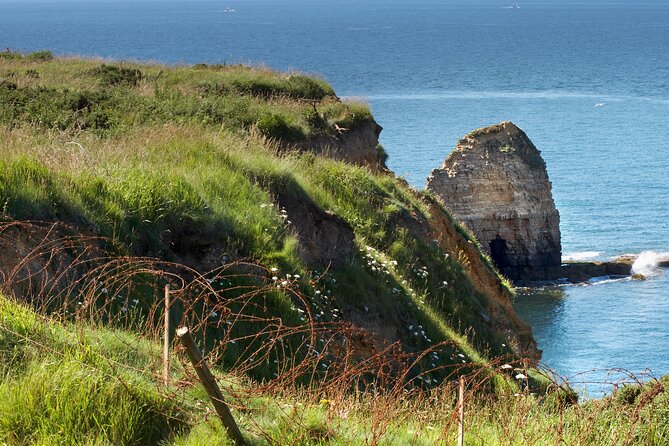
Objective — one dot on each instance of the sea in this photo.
(588, 81)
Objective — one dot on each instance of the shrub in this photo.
(40, 56)
(304, 87)
(381, 154)
(274, 125)
(37, 56)
(109, 75)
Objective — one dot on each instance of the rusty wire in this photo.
(82, 278)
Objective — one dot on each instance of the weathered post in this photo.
(461, 411)
(209, 383)
(166, 341)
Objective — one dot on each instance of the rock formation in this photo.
(355, 146)
(495, 182)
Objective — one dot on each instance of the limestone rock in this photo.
(496, 183)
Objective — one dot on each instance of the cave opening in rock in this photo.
(498, 250)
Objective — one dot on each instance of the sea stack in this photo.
(495, 182)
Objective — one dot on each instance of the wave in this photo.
(580, 256)
(606, 279)
(648, 263)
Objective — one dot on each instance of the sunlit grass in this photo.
(80, 385)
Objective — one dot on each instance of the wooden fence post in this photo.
(166, 341)
(461, 411)
(209, 383)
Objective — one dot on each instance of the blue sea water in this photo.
(587, 81)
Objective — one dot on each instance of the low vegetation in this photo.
(76, 384)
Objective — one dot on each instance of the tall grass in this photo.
(158, 187)
(72, 95)
(84, 385)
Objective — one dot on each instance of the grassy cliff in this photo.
(194, 163)
(268, 176)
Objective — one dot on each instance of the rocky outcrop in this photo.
(357, 145)
(496, 183)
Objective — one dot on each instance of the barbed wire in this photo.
(259, 329)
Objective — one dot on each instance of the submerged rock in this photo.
(496, 183)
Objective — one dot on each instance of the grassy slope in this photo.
(158, 170)
(67, 384)
(149, 155)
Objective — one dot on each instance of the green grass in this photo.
(72, 95)
(155, 188)
(170, 161)
(77, 384)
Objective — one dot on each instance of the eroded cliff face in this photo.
(499, 315)
(355, 146)
(496, 183)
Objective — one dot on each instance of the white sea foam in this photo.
(580, 256)
(606, 279)
(647, 263)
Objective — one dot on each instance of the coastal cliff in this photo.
(496, 183)
(205, 166)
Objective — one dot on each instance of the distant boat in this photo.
(229, 10)
(514, 6)
(601, 104)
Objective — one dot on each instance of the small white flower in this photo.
(318, 293)
(506, 367)
(275, 278)
(521, 376)
(284, 283)
(274, 270)
(297, 276)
